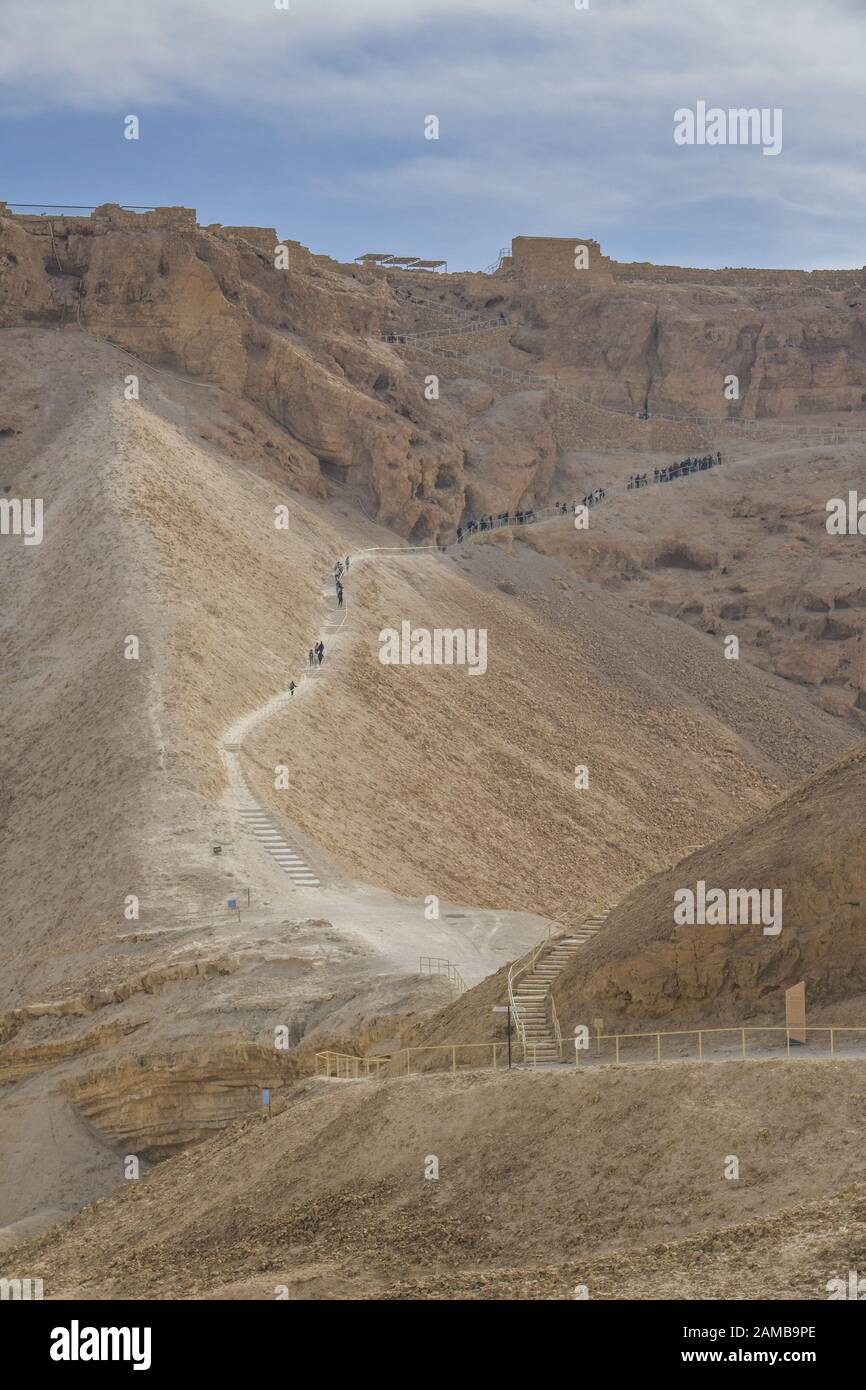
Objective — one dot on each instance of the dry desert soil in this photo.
(209, 436)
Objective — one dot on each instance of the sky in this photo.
(552, 121)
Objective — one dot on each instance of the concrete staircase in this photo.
(270, 838)
(533, 1015)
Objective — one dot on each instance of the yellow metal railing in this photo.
(437, 965)
(344, 1067)
(452, 1057)
(699, 1034)
(402, 1060)
(557, 1031)
(518, 968)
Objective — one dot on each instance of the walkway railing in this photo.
(437, 965)
(743, 1039)
(557, 1031)
(519, 967)
(452, 1057)
(458, 1056)
(344, 1067)
(408, 338)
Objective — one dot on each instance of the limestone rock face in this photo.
(302, 343)
(300, 336)
(154, 1106)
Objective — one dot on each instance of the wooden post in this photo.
(795, 1013)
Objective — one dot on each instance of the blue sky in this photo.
(553, 121)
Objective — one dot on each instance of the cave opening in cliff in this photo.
(336, 472)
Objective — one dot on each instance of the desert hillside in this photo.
(806, 847)
(644, 971)
(167, 751)
(612, 1180)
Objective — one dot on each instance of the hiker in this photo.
(292, 687)
(348, 558)
(312, 657)
(339, 595)
(321, 652)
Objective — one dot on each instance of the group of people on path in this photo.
(491, 522)
(677, 470)
(522, 515)
(339, 570)
(316, 654)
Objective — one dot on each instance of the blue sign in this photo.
(233, 902)
(266, 1097)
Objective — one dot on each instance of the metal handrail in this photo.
(344, 1066)
(426, 967)
(518, 968)
(413, 335)
(557, 1031)
(701, 1033)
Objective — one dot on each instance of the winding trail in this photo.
(249, 815)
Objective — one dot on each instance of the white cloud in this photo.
(541, 105)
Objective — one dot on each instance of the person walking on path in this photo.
(292, 688)
(312, 657)
(320, 652)
(339, 595)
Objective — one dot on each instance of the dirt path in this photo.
(304, 879)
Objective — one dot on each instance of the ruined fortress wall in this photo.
(744, 277)
(159, 217)
(264, 239)
(540, 259)
(102, 219)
